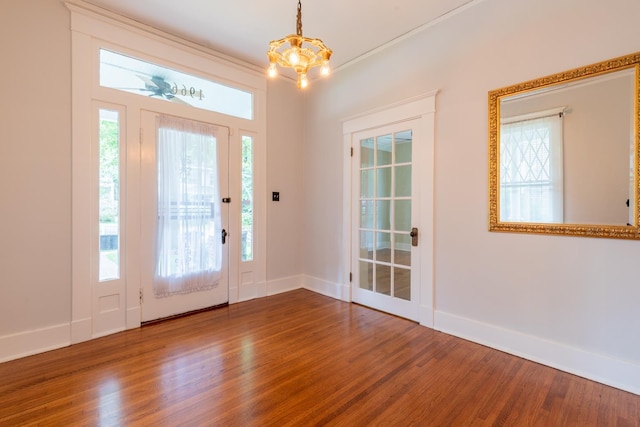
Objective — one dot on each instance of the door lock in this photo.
(414, 236)
(224, 236)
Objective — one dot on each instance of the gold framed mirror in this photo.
(564, 153)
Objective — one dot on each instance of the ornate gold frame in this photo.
(586, 230)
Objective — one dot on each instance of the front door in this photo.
(185, 222)
(385, 249)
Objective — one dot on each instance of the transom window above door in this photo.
(122, 72)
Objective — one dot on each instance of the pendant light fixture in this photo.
(300, 53)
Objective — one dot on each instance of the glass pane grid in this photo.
(385, 200)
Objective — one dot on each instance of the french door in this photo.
(185, 220)
(385, 208)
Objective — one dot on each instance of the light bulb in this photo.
(303, 82)
(294, 57)
(273, 71)
(325, 70)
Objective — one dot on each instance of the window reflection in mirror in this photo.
(564, 153)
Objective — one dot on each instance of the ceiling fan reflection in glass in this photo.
(128, 74)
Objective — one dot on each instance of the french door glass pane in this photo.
(383, 247)
(383, 186)
(383, 279)
(402, 215)
(403, 146)
(402, 283)
(385, 214)
(402, 249)
(366, 245)
(109, 197)
(384, 150)
(366, 153)
(366, 183)
(403, 181)
(366, 214)
(366, 275)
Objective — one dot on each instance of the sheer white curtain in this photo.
(188, 245)
(531, 168)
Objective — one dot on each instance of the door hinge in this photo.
(351, 151)
(141, 295)
(350, 277)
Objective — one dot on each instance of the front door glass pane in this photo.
(188, 248)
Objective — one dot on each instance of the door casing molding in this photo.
(92, 28)
(423, 108)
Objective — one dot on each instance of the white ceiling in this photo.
(243, 28)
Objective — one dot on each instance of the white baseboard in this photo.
(81, 330)
(425, 316)
(234, 295)
(284, 284)
(27, 343)
(133, 317)
(324, 287)
(596, 367)
(251, 291)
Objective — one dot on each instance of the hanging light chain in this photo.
(299, 20)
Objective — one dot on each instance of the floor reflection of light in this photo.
(247, 353)
(109, 408)
(246, 356)
(182, 376)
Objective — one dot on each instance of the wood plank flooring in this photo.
(297, 359)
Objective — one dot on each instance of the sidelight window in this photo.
(109, 194)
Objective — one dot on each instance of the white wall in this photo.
(35, 165)
(567, 301)
(284, 174)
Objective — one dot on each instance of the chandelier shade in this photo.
(299, 53)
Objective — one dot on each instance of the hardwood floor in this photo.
(297, 358)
